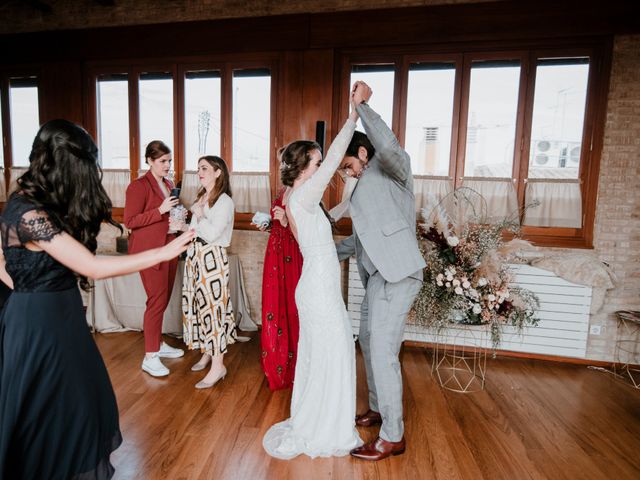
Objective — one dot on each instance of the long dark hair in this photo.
(294, 158)
(65, 179)
(223, 184)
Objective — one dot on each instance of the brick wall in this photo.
(250, 247)
(64, 14)
(617, 225)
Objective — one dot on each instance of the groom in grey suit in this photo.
(382, 209)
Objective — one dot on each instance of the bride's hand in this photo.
(353, 114)
(280, 215)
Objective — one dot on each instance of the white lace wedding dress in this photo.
(323, 404)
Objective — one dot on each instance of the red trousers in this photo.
(158, 283)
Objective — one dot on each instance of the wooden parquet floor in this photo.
(533, 420)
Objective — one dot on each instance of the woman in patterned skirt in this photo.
(208, 321)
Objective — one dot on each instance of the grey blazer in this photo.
(382, 207)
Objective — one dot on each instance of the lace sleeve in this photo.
(35, 225)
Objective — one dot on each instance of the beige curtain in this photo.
(560, 203)
(430, 190)
(190, 186)
(115, 182)
(251, 191)
(499, 195)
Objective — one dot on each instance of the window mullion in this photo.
(463, 116)
(178, 123)
(402, 87)
(455, 127)
(227, 115)
(525, 137)
(134, 122)
(6, 124)
(398, 90)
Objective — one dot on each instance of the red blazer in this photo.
(148, 226)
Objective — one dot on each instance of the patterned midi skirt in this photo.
(207, 313)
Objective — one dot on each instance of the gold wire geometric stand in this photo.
(627, 351)
(460, 364)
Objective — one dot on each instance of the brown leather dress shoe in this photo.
(379, 449)
(369, 419)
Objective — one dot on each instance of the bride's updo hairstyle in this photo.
(64, 179)
(294, 158)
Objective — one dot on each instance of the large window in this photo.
(555, 147)
(155, 110)
(202, 122)
(24, 118)
(251, 120)
(223, 109)
(19, 123)
(430, 99)
(491, 124)
(381, 80)
(558, 117)
(508, 125)
(112, 106)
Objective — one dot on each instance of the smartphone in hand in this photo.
(175, 192)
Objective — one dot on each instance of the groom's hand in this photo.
(361, 92)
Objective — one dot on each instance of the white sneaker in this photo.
(167, 351)
(154, 367)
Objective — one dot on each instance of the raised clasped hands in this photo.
(360, 93)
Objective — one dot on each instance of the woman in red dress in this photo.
(280, 328)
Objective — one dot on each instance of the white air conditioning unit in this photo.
(555, 154)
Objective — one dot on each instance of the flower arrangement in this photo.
(467, 279)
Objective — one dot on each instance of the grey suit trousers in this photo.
(383, 315)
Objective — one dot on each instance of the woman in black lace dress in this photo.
(58, 413)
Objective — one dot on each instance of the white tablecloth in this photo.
(118, 304)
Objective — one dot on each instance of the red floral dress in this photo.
(280, 327)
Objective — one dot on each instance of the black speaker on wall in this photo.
(320, 134)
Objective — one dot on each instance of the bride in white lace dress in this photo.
(322, 421)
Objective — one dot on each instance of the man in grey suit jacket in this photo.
(382, 209)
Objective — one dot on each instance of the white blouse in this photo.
(216, 225)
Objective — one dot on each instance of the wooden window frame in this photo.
(598, 49)
(226, 65)
(5, 113)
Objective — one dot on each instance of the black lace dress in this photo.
(58, 412)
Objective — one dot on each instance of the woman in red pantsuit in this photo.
(146, 214)
(280, 328)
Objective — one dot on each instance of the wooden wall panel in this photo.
(317, 97)
(60, 87)
(317, 92)
(290, 98)
(495, 21)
